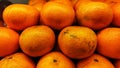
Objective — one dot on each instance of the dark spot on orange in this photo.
(10, 57)
(54, 60)
(96, 60)
(86, 18)
(73, 36)
(66, 32)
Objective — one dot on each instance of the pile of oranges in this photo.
(61, 34)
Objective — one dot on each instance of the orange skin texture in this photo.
(77, 42)
(109, 42)
(17, 60)
(37, 40)
(116, 18)
(21, 18)
(9, 41)
(95, 15)
(62, 16)
(117, 63)
(55, 60)
(95, 61)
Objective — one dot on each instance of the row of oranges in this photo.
(37, 28)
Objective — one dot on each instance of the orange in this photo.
(77, 42)
(116, 18)
(21, 18)
(37, 40)
(38, 4)
(57, 15)
(111, 3)
(117, 63)
(65, 2)
(17, 60)
(9, 41)
(33, 2)
(95, 61)
(80, 2)
(95, 15)
(109, 42)
(55, 60)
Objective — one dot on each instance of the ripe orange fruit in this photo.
(117, 63)
(80, 2)
(95, 15)
(111, 3)
(38, 4)
(33, 2)
(109, 42)
(17, 60)
(77, 42)
(95, 61)
(37, 40)
(21, 18)
(116, 18)
(61, 15)
(55, 60)
(65, 2)
(9, 41)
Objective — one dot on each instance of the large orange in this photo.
(37, 40)
(57, 15)
(9, 41)
(117, 63)
(77, 42)
(116, 18)
(20, 16)
(55, 60)
(95, 15)
(109, 42)
(95, 61)
(17, 60)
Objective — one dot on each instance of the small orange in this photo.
(20, 16)
(77, 42)
(109, 42)
(95, 61)
(96, 15)
(17, 60)
(55, 60)
(37, 40)
(9, 41)
(34, 2)
(57, 15)
(65, 2)
(38, 4)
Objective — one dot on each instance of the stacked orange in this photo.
(61, 34)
